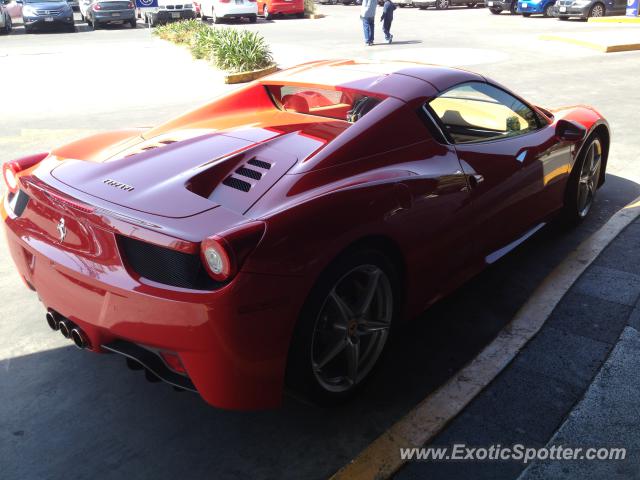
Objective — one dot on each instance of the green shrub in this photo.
(240, 50)
(228, 49)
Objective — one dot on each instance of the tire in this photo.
(598, 10)
(548, 11)
(495, 11)
(327, 338)
(442, 4)
(563, 19)
(133, 23)
(253, 18)
(584, 181)
(300, 15)
(526, 15)
(7, 25)
(513, 9)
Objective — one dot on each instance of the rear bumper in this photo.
(108, 17)
(530, 8)
(500, 5)
(233, 342)
(173, 15)
(582, 12)
(286, 8)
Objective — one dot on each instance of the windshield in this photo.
(338, 104)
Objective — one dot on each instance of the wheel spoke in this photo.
(370, 291)
(330, 354)
(343, 309)
(369, 327)
(353, 359)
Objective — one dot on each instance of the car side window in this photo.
(478, 112)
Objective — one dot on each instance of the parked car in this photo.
(498, 6)
(167, 11)
(5, 19)
(533, 7)
(270, 8)
(278, 234)
(444, 4)
(565, 9)
(114, 12)
(219, 10)
(45, 13)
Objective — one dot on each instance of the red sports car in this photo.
(277, 234)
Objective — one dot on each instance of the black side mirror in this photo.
(570, 131)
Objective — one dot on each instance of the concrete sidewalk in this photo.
(577, 383)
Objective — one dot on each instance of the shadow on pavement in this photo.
(65, 407)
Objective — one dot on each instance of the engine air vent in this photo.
(236, 183)
(250, 173)
(259, 163)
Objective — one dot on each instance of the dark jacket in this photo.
(387, 11)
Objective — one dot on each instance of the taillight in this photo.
(224, 254)
(225, 1)
(10, 169)
(97, 7)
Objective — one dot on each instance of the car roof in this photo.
(399, 79)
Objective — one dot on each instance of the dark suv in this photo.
(564, 9)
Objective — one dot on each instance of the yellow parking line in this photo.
(601, 47)
(381, 458)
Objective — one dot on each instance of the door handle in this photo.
(475, 180)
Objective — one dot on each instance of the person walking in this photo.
(368, 15)
(387, 18)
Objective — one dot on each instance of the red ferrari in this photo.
(277, 234)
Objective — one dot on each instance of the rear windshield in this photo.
(341, 105)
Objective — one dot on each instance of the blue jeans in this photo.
(386, 28)
(367, 27)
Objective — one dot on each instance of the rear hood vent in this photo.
(183, 178)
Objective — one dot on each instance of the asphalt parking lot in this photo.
(69, 414)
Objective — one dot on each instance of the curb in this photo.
(605, 48)
(249, 76)
(381, 459)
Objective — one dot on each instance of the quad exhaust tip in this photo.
(65, 328)
(53, 321)
(79, 338)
